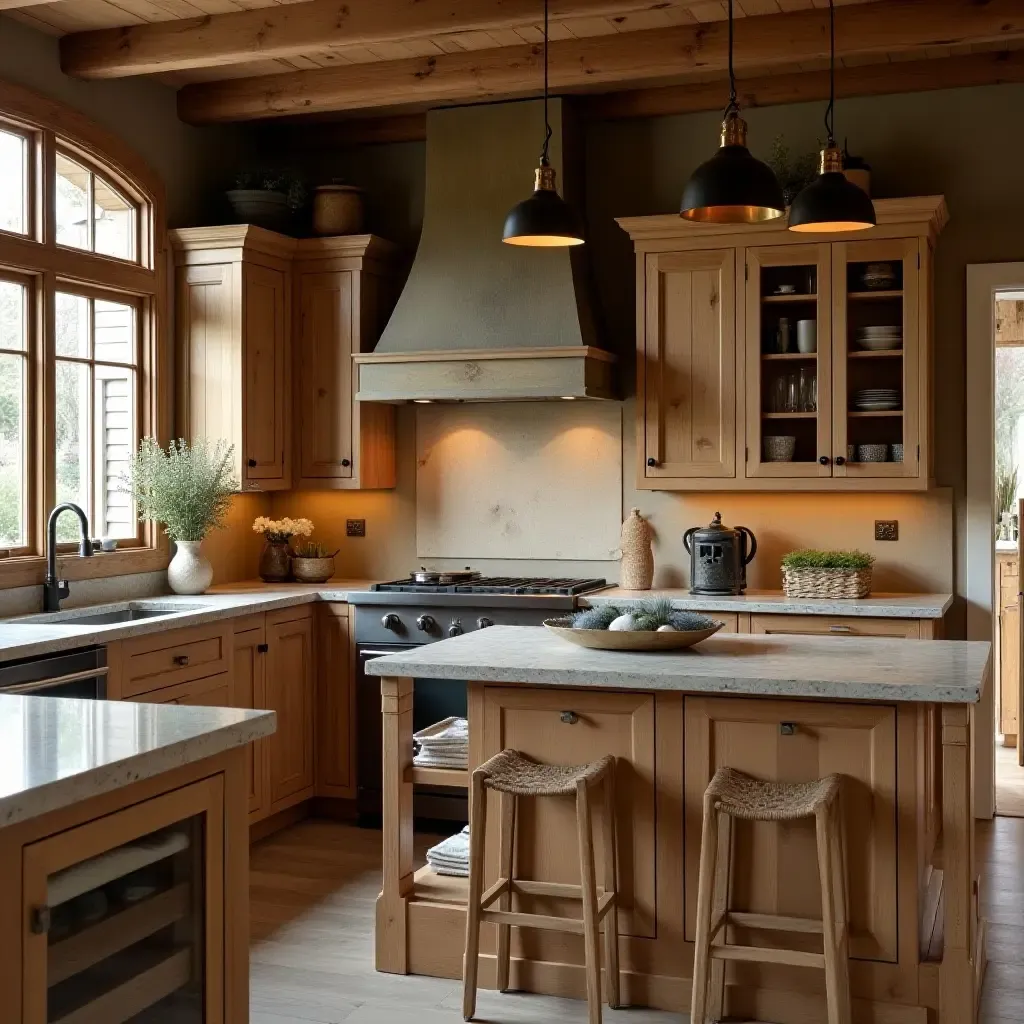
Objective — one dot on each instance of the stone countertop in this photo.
(27, 637)
(1007, 547)
(58, 751)
(851, 668)
(774, 602)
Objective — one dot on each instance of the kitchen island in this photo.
(124, 860)
(894, 719)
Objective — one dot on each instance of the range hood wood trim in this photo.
(492, 375)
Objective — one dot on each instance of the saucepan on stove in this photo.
(442, 577)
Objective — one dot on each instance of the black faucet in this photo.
(54, 590)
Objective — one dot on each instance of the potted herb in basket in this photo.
(265, 198)
(188, 489)
(827, 574)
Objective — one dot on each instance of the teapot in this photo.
(719, 556)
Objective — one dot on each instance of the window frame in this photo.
(35, 258)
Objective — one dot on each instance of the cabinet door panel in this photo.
(214, 692)
(775, 869)
(289, 687)
(248, 690)
(325, 367)
(265, 344)
(780, 378)
(620, 724)
(335, 703)
(689, 365)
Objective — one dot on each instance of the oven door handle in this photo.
(381, 654)
(52, 681)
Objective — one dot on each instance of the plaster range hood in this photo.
(479, 320)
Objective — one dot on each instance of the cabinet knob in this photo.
(39, 920)
(181, 659)
(823, 460)
(652, 462)
(840, 461)
(251, 463)
(346, 462)
(262, 648)
(569, 717)
(787, 728)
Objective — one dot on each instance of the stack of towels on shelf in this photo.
(444, 744)
(451, 855)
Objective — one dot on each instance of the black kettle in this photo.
(719, 556)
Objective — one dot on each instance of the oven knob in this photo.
(455, 629)
(426, 624)
(392, 621)
(483, 622)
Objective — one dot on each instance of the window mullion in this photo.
(45, 388)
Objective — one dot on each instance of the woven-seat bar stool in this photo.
(730, 795)
(515, 776)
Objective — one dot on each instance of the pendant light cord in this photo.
(544, 161)
(733, 107)
(830, 109)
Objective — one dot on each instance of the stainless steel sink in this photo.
(121, 615)
(111, 614)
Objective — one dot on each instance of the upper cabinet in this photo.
(266, 328)
(770, 362)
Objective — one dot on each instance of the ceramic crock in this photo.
(276, 562)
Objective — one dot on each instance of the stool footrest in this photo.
(775, 922)
(545, 922)
(560, 890)
(766, 955)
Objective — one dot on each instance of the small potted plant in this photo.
(793, 173)
(276, 559)
(827, 574)
(188, 489)
(265, 198)
(312, 562)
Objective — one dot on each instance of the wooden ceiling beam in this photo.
(995, 68)
(313, 26)
(13, 5)
(905, 26)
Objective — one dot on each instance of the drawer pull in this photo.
(39, 920)
(840, 629)
(263, 648)
(570, 717)
(787, 728)
(181, 659)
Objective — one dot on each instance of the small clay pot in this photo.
(338, 210)
(276, 562)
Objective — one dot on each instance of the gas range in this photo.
(415, 611)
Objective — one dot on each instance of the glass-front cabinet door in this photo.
(788, 361)
(879, 399)
(123, 916)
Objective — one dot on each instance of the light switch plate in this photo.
(355, 527)
(887, 529)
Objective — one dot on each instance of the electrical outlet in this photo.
(887, 529)
(355, 527)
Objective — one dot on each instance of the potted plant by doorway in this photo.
(188, 490)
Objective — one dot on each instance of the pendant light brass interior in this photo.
(831, 202)
(733, 187)
(545, 219)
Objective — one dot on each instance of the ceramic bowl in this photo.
(632, 639)
(779, 448)
(872, 452)
(880, 342)
(897, 452)
(879, 276)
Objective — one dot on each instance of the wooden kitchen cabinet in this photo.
(335, 703)
(573, 727)
(249, 690)
(776, 864)
(342, 301)
(1008, 566)
(837, 625)
(233, 301)
(713, 382)
(290, 692)
(214, 692)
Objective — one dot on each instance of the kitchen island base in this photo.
(917, 945)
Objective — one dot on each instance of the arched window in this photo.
(82, 295)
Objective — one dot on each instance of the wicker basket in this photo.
(826, 583)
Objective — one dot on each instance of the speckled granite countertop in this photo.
(945, 671)
(57, 751)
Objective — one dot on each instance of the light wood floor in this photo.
(313, 892)
(1009, 782)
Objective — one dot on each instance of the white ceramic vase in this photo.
(190, 571)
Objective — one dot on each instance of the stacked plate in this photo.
(877, 400)
(880, 338)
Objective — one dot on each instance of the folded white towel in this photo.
(451, 855)
(428, 759)
(448, 730)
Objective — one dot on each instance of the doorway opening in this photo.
(1008, 506)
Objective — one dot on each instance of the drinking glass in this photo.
(808, 390)
(792, 393)
(779, 391)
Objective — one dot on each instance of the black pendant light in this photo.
(733, 187)
(831, 202)
(545, 219)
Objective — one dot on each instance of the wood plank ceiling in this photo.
(599, 46)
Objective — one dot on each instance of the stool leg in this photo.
(477, 839)
(828, 918)
(588, 884)
(507, 844)
(705, 882)
(719, 906)
(611, 920)
(841, 886)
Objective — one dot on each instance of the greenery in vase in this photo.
(280, 531)
(187, 488)
(793, 173)
(1006, 491)
(313, 549)
(809, 558)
